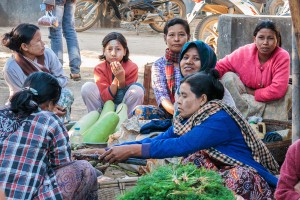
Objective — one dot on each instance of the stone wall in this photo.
(13, 12)
(237, 30)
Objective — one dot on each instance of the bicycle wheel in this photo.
(274, 7)
(83, 18)
(206, 31)
(176, 8)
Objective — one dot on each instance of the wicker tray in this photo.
(109, 190)
(278, 149)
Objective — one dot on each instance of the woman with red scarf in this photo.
(166, 72)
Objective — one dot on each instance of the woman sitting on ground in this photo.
(165, 73)
(210, 134)
(30, 55)
(194, 57)
(35, 159)
(197, 56)
(115, 77)
(257, 75)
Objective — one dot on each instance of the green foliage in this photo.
(179, 182)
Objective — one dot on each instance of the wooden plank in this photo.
(149, 98)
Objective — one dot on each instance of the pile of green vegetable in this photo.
(96, 127)
(176, 182)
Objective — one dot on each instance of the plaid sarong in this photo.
(260, 152)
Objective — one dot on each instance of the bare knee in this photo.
(136, 92)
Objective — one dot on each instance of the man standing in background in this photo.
(64, 11)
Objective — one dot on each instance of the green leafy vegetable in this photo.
(174, 182)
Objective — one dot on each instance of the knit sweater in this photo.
(289, 174)
(104, 77)
(270, 80)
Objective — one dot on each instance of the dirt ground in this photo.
(145, 47)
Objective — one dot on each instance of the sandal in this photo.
(77, 78)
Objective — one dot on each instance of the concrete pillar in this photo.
(237, 30)
(15, 12)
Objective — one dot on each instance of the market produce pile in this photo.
(96, 128)
(174, 182)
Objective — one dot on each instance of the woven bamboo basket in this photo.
(278, 149)
(109, 190)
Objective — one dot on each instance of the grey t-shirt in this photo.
(15, 77)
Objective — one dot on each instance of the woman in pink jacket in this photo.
(288, 186)
(257, 75)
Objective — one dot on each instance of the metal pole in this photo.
(296, 90)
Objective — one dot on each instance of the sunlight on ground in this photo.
(90, 59)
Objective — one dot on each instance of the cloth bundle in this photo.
(156, 126)
(272, 137)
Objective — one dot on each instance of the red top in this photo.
(289, 174)
(270, 80)
(103, 77)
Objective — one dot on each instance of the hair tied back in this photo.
(33, 91)
(33, 103)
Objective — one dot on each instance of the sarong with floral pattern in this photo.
(247, 104)
(241, 180)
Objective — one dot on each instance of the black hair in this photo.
(38, 88)
(175, 21)
(268, 25)
(23, 33)
(120, 38)
(205, 82)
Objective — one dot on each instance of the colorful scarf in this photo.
(28, 66)
(260, 152)
(171, 58)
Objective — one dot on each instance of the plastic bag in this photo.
(48, 20)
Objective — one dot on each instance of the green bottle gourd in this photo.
(101, 129)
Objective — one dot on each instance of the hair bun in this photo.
(6, 39)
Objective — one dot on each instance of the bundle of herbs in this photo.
(179, 182)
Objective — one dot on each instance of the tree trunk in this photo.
(295, 13)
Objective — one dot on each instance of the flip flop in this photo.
(75, 78)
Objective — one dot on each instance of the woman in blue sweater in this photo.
(213, 135)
